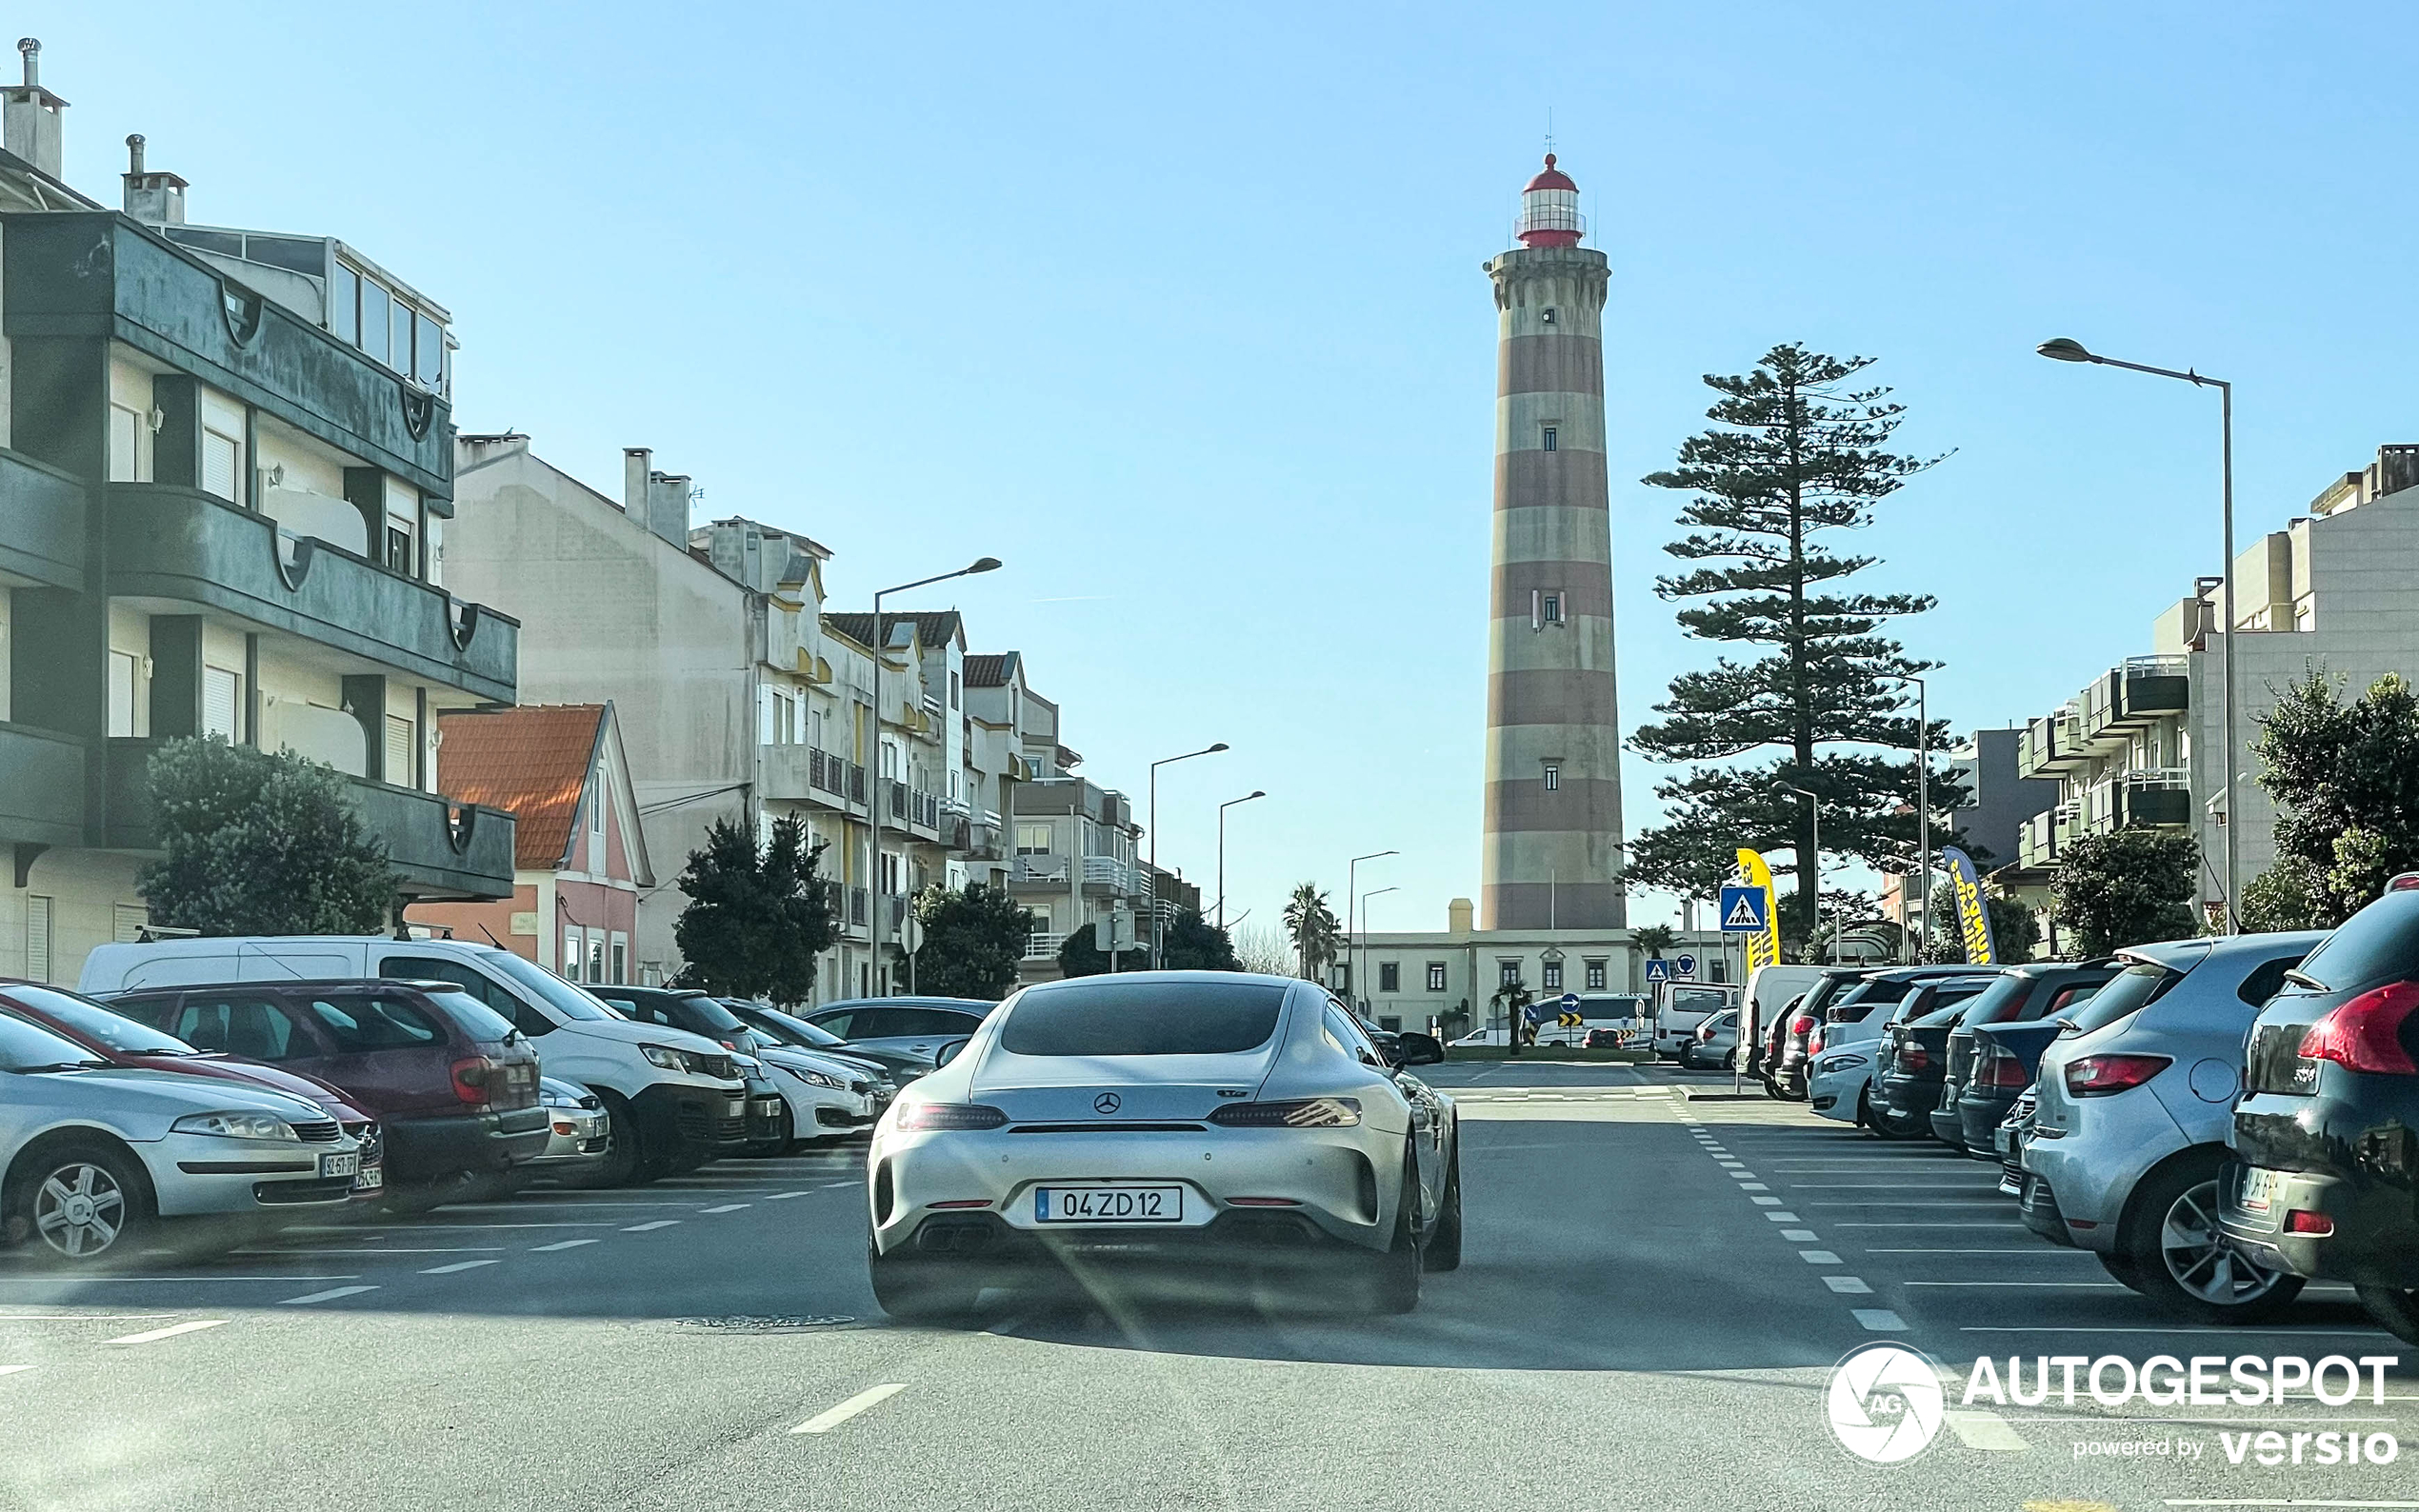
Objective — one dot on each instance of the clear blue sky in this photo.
(1179, 311)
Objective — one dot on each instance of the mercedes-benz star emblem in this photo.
(1108, 1103)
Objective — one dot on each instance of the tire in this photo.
(2121, 1268)
(2171, 1239)
(83, 1204)
(1394, 1274)
(1444, 1249)
(2396, 1311)
(620, 1166)
(1880, 1123)
(915, 1290)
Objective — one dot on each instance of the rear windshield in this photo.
(1160, 1018)
(2378, 944)
(115, 1030)
(2125, 993)
(2001, 1001)
(1865, 997)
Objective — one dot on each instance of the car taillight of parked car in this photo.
(1800, 1024)
(473, 1078)
(1999, 1070)
(2099, 1075)
(1705, 1032)
(2366, 1033)
(1814, 1045)
(1913, 1056)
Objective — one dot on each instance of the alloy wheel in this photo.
(2198, 1255)
(79, 1210)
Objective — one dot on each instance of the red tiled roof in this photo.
(532, 760)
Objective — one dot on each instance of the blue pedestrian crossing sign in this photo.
(1684, 965)
(1743, 910)
(1658, 970)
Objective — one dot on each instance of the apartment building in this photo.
(2140, 747)
(226, 463)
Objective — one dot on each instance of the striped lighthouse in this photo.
(1551, 839)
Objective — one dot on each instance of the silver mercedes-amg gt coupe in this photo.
(1182, 1115)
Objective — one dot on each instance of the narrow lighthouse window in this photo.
(1547, 318)
(1552, 439)
(1553, 776)
(1554, 608)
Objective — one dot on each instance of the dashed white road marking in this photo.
(826, 1420)
(182, 1281)
(728, 1207)
(81, 1317)
(784, 1196)
(11, 1370)
(1882, 1320)
(1818, 1256)
(459, 1266)
(1801, 1235)
(559, 1246)
(330, 1294)
(1986, 1430)
(171, 1331)
(1765, 1202)
(1782, 1218)
(648, 1228)
(1852, 1285)
(1755, 1186)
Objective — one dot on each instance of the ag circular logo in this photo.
(1885, 1402)
(1108, 1103)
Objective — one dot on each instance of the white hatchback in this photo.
(96, 1155)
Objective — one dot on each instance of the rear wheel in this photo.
(1394, 1275)
(913, 1288)
(2183, 1262)
(1444, 1249)
(2396, 1310)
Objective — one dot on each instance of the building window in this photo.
(1553, 776)
(223, 704)
(1033, 840)
(1436, 976)
(596, 961)
(38, 937)
(222, 464)
(128, 921)
(1554, 976)
(125, 680)
(344, 306)
(1595, 976)
(1552, 438)
(377, 309)
(596, 813)
(571, 955)
(1552, 610)
(398, 751)
(621, 958)
(1507, 973)
(957, 689)
(398, 550)
(1390, 977)
(127, 433)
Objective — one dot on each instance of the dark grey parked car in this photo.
(916, 1027)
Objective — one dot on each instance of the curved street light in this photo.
(1222, 848)
(1205, 750)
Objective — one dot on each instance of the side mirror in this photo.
(1414, 1048)
(946, 1053)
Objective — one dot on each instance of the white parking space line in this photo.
(2026, 1286)
(1891, 1186)
(834, 1187)
(1986, 1430)
(778, 1196)
(1798, 1236)
(1930, 1201)
(1880, 1320)
(648, 1228)
(330, 1294)
(2006, 1223)
(2044, 1252)
(1818, 1256)
(827, 1420)
(2264, 1333)
(171, 1331)
(11, 1370)
(561, 1244)
(728, 1207)
(436, 1249)
(459, 1265)
(82, 1316)
(85, 1281)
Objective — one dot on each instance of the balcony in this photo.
(2146, 798)
(2127, 699)
(802, 774)
(1042, 945)
(98, 276)
(2043, 838)
(438, 848)
(168, 542)
(42, 798)
(1106, 874)
(1041, 871)
(45, 511)
(2052, 745)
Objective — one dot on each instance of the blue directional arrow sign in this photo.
(1685, 966)
(1743, 910)
(1658, 970)
(1571, 1003)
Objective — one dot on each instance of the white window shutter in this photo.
(221, 692)
(37, 938)
(218, 465)
(398, 751)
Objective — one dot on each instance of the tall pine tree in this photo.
(1795, 449)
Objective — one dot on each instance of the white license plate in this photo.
(1109, 1204)
(370, 1179)
(2259, 1187)
(347, 1165)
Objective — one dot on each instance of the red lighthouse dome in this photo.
(1550, 209)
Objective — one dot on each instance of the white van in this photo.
(1683, 1006)
(674, 1098)
(1768, 991)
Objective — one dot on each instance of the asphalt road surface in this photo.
(1654, 1294)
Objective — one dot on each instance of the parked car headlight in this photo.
(237, 1126)
(548, 1096)
(1844, 1063)
(665, 1056)
(821, 1078)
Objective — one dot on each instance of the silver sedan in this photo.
(1165, 1115)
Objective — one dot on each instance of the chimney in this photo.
(668, 507)
(29, 115)
(637, 461)
(1457, 916)
(156, 198)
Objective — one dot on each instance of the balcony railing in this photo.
(2144, 798)
(1041, 868)
(42, 793)
(1110, 872)
(1042, 945)
(44, 537)
(2050, 744)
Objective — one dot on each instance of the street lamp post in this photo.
(1923, 807)
(1222, 849)
(1351, 880)
(1358, 947)
(2065, 349)
(1814, 872)
(1205, 750)
(874, 791)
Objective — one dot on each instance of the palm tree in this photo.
(1656, 940)
(1314, 927)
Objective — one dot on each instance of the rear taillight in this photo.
(1311, 1112)
(1814, 1045)
(913, 1118)
(470, 1079)
(1705, 1032)
(2099, 1075)
(2366, 1033)
(2000, 1070)
(1913, 1056)
(1800, 1024)
(2302, 1221)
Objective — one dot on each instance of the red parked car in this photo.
(121, 1040)
(453, 1084)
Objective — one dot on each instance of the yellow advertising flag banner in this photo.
(1762, 949)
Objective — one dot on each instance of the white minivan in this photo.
(675, 1098)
